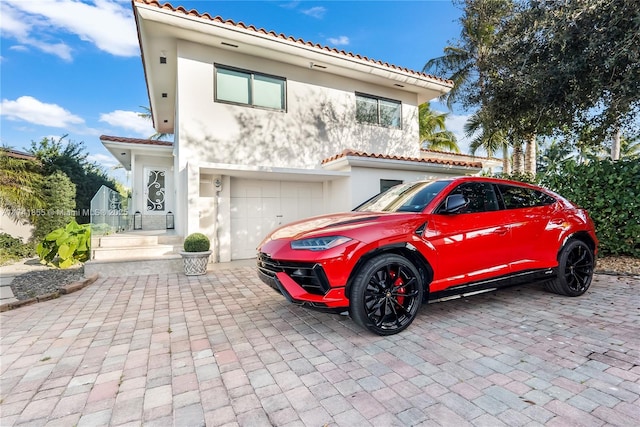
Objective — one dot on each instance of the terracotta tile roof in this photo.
(449, 153)
(354, 153)
(135, 140)
(15, 154)
(220, 20)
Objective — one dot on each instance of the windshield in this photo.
(410, 197)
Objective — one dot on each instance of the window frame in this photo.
(377, 99)
(251, 75)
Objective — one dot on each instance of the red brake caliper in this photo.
(398, 282)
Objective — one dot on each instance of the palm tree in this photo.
(491, 141)
(146, 114)
(630, 147)
(463, 63)
(553, 157)
(433, 134)
(20, 182)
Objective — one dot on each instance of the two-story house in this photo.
(267, 128)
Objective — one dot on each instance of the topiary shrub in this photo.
(196, 242)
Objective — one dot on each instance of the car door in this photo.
(535, 226)
(472, 244)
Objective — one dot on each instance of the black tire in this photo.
(386, 294)
(575, 270)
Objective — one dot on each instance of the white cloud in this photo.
(29, 109)
(103, 159)
(339, 41)
(290, 5)
(129, 120)
(315, 12)
(19, 48)
(18, 25)
(108, 24)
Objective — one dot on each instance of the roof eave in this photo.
(345, 162)
(253, 42)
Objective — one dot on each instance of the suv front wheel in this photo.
(386, 294)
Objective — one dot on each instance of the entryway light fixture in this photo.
(137, 221)
(170, 224)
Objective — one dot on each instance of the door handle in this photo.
(501, 231)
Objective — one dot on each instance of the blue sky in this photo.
(73, 67)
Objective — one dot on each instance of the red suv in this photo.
(423, 241)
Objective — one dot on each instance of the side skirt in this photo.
(476, 288)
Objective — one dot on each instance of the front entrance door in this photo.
(157, 197)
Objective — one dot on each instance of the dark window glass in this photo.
(249, 88)
(515, 197)
(386, 184)
(378, 111)
(481, 197)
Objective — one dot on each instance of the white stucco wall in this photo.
(19, 229)
(319, 121)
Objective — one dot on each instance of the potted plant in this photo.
(196, 254)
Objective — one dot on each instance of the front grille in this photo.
(310, 276)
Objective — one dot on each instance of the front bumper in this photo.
(302, 283)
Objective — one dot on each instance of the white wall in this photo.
(18, 229)
(319, 121)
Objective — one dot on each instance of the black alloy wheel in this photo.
(386, 294)
(575, 270)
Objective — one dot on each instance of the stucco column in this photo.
(193, 195)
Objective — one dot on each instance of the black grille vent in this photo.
(310, 276)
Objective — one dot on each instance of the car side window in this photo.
(481, 196)
(515, 197)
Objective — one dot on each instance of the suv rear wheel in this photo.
(575, 270)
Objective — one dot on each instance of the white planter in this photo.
(195, 263)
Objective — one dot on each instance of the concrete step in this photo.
(165, 264)
(133, 252)
(133, 240)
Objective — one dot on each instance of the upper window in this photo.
(248, 88)
(378, 111)
(520, 197)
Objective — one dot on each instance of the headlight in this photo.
(319, 243)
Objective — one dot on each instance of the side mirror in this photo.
(455, 203)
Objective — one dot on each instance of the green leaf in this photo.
(54, 235)
(67, 263)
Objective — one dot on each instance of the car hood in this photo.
(345, 224)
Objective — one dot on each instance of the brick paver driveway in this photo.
(224, 349)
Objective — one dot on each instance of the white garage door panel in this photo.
(257, 207)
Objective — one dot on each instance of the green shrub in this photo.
(66, 246)
(196, 242)
(12, 249)
(58, 193)
(610, 191)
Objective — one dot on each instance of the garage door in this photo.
(257, 207)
